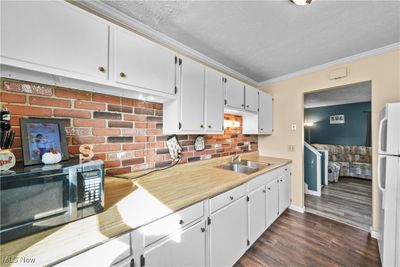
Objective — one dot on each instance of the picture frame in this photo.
(199, 143)
(336, 119)
(41, 135)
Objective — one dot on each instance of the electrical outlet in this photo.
(291, 148)
(294, 127)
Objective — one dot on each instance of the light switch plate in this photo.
(291, 148)
(294, 126)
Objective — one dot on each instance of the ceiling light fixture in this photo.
(301, 2)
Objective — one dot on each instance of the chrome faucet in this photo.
(237, 157)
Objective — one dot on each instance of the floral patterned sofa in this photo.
(354, 161)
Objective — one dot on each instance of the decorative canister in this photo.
(7, 160)
(51, 157)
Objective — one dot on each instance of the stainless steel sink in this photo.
(254, 164)
(236, 167)
(244, 166)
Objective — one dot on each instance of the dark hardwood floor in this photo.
(348, 201)
(306, 239)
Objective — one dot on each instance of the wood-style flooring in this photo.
(348, 201)
(306, 239)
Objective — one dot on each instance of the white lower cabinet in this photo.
(228, 233)
(257, 216)
(284, 192)
(272, 201)
(109, 254)
(183, 248)
(129, 262)
(213, 232)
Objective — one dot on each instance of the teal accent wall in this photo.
(310, 169)
(355, 130)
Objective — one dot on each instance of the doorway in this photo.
(338, 154)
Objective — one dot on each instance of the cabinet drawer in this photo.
(107, 254)
(227, 197)
(165, 226)
(262, 180)
(284, 170)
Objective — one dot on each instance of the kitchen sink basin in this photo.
(244, 166)
(254, 164)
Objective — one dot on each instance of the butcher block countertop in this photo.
(130, 204)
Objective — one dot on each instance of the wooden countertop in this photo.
(130, 204)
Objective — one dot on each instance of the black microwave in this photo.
(37, 198)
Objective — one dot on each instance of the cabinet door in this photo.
(186, 248)
(107, 254)
(142, 63)
(284, 192)
(251, 98)
(228, 233)
(234, 95)
(214, 105)
(130, 262)
(272, 202)
(265, 113)
(53, 35)
(257, 213)
(192, 96)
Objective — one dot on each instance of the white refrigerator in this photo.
(389, 185)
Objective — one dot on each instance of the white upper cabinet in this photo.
(199, 108)
(192, 95)
(53, 37)
(141, 63)
(214, 101)
(265, 113)
(234, 93)
(251, 98)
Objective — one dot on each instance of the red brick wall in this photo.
(126, 133)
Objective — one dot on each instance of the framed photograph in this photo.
(199, 143)
(39, 136)
(336, 119)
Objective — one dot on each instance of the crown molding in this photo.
(333, 63)
(109, 13)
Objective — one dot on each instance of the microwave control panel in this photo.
(92, 187)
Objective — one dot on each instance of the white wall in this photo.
(384, 73)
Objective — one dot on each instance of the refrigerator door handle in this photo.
(380, 180)
(380, 150)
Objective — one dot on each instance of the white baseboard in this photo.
(374, 234)
(297, 208)
(314, 193)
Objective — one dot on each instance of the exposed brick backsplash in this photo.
(126, 133)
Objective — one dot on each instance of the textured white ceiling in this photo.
(267, 39)
(354, 93)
